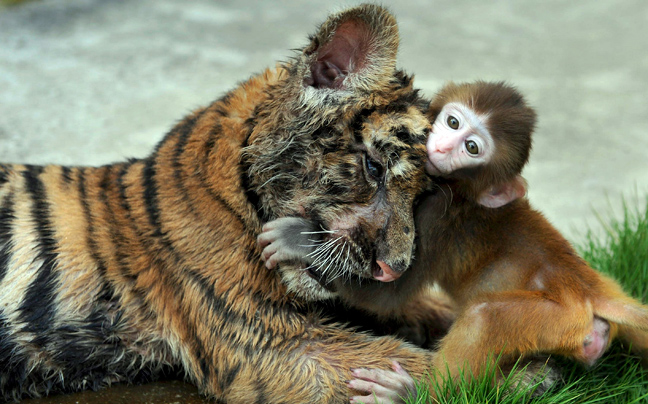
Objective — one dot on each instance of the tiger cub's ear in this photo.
(353, 50)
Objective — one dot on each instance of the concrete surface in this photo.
(88, 82)
(92, 81)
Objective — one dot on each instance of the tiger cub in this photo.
(114, 273)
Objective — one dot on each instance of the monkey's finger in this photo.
(399, 369)
(407, 380)
(268, 226)
(273, 224)
(272, 262)
(277, 253)
(386, 378)
(369, 387)
(268, 252)
(265, 238)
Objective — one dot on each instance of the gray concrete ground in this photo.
(92, 81)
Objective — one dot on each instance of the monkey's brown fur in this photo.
(113, 273)
(518, 285)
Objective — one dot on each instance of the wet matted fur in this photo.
(112, 273)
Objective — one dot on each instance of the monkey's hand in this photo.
(287, 238)
(382, 386)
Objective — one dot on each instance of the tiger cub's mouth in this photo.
(321, 278)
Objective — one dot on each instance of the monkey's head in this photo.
(341, 141)
(481, 135)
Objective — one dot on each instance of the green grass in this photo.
(622, 252)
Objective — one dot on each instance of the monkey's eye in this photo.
(453, 122)
(374, 168)
(471, 147)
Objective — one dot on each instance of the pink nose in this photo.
(443, 144)
(385, 273)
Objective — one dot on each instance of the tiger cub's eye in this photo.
(453, 122)
(374, 168)
(472, 147)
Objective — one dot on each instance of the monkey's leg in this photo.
(509, 325)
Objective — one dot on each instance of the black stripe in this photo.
(174, 130)
(150, 203)
(122, 188)
(37, 308)
(184, 132)
(405, 135)
(116, 236)
(219, 307)
(125, 268)
(250, 123)
(6, 218)
(402, 104)
(358, 121)
(200, 349)
(125, 205)
(150, 196)
(14, 365)
(3, 174)
(401, 78)
(90, 240)
(261, 397)
(201, 174)
(244, 168)
(66, 173)
(107, 291)
(255, 325)
(229, 376)
(206, 375)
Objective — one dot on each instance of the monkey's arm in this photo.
(288, 238)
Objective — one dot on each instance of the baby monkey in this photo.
(518, 286)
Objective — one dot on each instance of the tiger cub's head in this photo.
(341, 140)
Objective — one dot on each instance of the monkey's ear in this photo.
(354, 49)
(503, 194)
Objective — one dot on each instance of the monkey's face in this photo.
(459, 140)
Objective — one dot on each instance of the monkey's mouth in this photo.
(432, 169)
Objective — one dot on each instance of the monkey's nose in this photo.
(443, 145)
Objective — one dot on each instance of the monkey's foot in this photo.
(539, 374)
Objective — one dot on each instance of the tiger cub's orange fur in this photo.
(114, 273)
